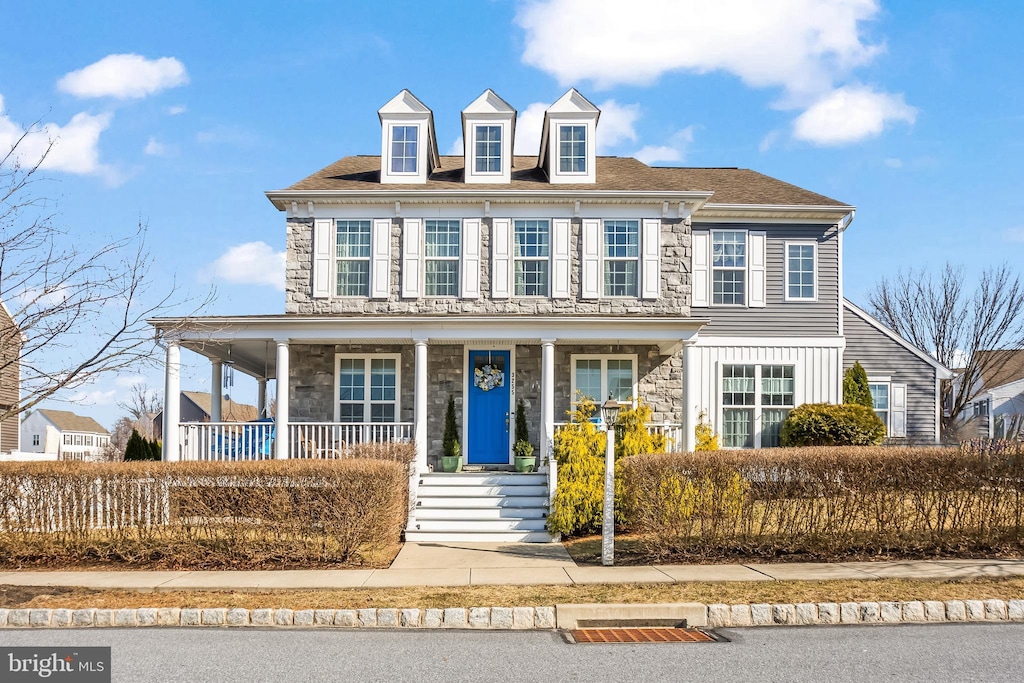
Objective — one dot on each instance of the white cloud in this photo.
(674, 152)
(1014, 234)
(75, 144)
(768, 141)
(128, 381)
(850, 114)
(253, 263)
(177, 109)
(456, 149)
(96, 397)
(154, 148)
(617, 124)
(893, 162)
(528, 125)
(124, 77)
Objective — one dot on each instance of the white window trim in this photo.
(639, 251)
(712, 268)
(500, 125)
(515, 259)
(367, 357)
(785, 259)
(391, 148)
(757, 407)
(604, 358)
(457, 259)
(887, 381)
(586, 149)
(338, 259)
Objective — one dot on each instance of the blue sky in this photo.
(182, 114)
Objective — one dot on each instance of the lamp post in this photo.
(609, 414)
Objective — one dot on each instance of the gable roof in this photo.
(942, 371)
(230, 411)
(729, 185)
(1005, 366)
(66, 421)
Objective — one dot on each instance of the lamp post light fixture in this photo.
(609, 415)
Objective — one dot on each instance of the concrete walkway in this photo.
(494, 564)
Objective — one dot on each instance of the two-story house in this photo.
(63, 435)
(490, 277)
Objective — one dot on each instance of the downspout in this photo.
(841, 228)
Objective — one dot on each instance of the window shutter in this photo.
(323, 246)
(380, 259)
(561, 257)
(701, 280)
(412, 239)
(470, 276)
(898, 410)
(755, 260)
(650, 269)
(590, 277)
(501, 258)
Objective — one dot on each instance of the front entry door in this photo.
(487, 418)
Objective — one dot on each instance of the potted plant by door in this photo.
(522, 449)
(451, 455)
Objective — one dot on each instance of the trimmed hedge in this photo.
(826, 503)
(825, 424)
(242, 515)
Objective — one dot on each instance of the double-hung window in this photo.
(404, 146)
(572, 149)
(777, 399)
(368, 388)
(728, 267)
(621, 257)
(880, 401)
(755, 395)
(442, 257)
(352, 249)
(488, 149)
(800, 271)
(598, 377)
(532, 254)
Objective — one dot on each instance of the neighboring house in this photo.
(997, 408)
(195, 406)
(10, 380)
(63, 435)
(490, 277)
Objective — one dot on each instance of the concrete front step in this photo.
(474, 491)
(426, 500)
(536, 524)
(482, 478)
(413, 536)
(481, 513)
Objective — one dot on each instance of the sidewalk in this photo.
(479, 564)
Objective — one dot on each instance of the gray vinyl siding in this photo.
(781, 318)
(882, 356)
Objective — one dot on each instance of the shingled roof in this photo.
(729, 185)
(66, 421)
(1004, 366)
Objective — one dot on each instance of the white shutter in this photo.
(412, 240)
(323, 247)
(755, 267)
(590, 277)
(501, 258)
(650, 269)
(898, 410)
(561, 257)
(380, 259)
(700, 254)
(470, 276)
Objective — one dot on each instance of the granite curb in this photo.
(527, 618)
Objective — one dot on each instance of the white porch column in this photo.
(172, 402)
(420, 406)
(547, 399)
(281, 413)
(261, 396)
(216, 391)
(691, 392)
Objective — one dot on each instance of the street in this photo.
(989, 652)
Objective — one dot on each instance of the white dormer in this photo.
(568, 139)
(488, 129)
(408, 144)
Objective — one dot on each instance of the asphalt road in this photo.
(948, 652)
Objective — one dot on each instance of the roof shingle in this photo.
(66, 421)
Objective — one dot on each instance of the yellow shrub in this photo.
(707, 440)
(631, 434)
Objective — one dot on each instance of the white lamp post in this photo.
(609, 414)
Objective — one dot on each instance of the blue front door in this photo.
(487, 411)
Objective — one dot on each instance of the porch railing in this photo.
(333, 439)
(226, 440)
(673, 432)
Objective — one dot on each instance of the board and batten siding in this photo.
(882, 356)
(778, 317)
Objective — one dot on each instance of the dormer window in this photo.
(404, 146)
(488, 149)
(572, 149)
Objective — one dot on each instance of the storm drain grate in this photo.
(641, 635)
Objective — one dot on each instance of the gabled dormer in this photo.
(568, 141)
(408, 143)
(488, 129)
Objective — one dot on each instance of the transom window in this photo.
(729, 267)
(352, 249)
(752, 395)
(367, 388)
(488, 149)
(598, 377)
(621, 257)
(800, 272)
(572, 149)
(404, 141)
(532, 253)
(442, 257)
(880, 401)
